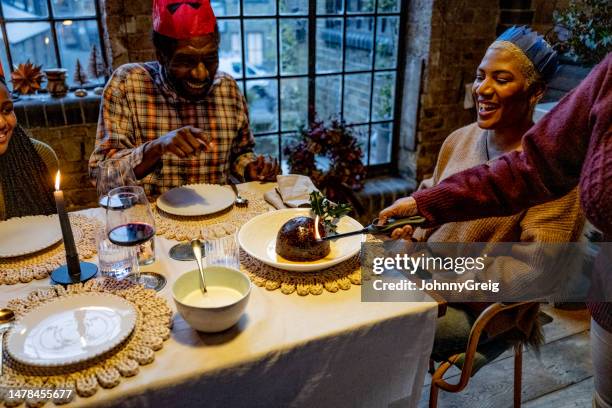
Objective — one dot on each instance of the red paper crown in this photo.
(183, 19)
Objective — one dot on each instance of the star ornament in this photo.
(27, 78)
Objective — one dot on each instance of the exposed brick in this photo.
(54, 113)
(72, 110)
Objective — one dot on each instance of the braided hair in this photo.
(25, 179)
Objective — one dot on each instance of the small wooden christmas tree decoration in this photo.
(97, 67)
(27, 78)
(80, 78)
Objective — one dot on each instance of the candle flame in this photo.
(316, 229)
(57, 181)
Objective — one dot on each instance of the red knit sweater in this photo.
(569, 146)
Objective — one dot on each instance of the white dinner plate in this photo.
(26, 235)
(258, 238)
(196, 199)
(71, 330)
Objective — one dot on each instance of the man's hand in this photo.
(262, 169)
(402, 208)
(184, 142)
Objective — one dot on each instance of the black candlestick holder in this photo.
(63, 275)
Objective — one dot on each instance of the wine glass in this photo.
(113, 173)
(130, 222)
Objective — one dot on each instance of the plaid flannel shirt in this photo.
(139, 105)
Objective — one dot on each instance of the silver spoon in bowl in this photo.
(6, 318)
(196, 246)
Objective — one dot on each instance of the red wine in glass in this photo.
(131, 234)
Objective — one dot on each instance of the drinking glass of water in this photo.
(222, 252)
(115, 261)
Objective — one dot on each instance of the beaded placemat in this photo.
(151, 330)
(40, 264)
(338, 277)
(211, 226)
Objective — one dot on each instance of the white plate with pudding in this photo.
(26, 235)
(196, 200)
(258, 239)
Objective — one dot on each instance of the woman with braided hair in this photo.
(26, 166)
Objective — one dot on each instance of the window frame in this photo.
(53, 20)
(312, 17)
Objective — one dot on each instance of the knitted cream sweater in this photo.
(48, 156)
(556, 221)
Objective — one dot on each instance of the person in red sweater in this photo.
(571, 145)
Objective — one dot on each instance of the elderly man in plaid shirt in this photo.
(179, 120)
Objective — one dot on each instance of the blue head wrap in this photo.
(535, 47)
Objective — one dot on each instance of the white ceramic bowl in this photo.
(211, 319)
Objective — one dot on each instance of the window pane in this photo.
(32, 41)
(357, 98)
(259, 7)
(380, 144)
(384, 95)
(287, 140)
(387, 31)
(225, 8)
(260, 42)
(294, 103)
(73, 8)
(293, 7)
(24, 9)
(75, 42)
(328, 94)
(359, 43)
(330, 6)
(230, 52)
(361, 134)
(360, 6)
(262, 95)
(329, 45)
(5, 63)
(388, 6)
(267, 145)
(294, 46)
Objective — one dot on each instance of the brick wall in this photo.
(129, 31)
(459, 33)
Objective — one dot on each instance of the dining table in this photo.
(327, 350)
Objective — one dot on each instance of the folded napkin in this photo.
(293, 192)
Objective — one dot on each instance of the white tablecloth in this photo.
(330, 350)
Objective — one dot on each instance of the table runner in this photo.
(210, 226)
(152, 329)
(40, 264)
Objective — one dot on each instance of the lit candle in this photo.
(72, 256)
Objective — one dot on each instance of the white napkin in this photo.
(293, 191)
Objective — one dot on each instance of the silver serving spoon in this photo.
(239, 201)
(196, 246)
(6, 317)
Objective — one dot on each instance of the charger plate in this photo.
(71, 330)
(27, 235)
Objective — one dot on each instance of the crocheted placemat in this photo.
(40, 264)
(152, 329)
(210, 226)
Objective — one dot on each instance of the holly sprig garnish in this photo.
(329, 212)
